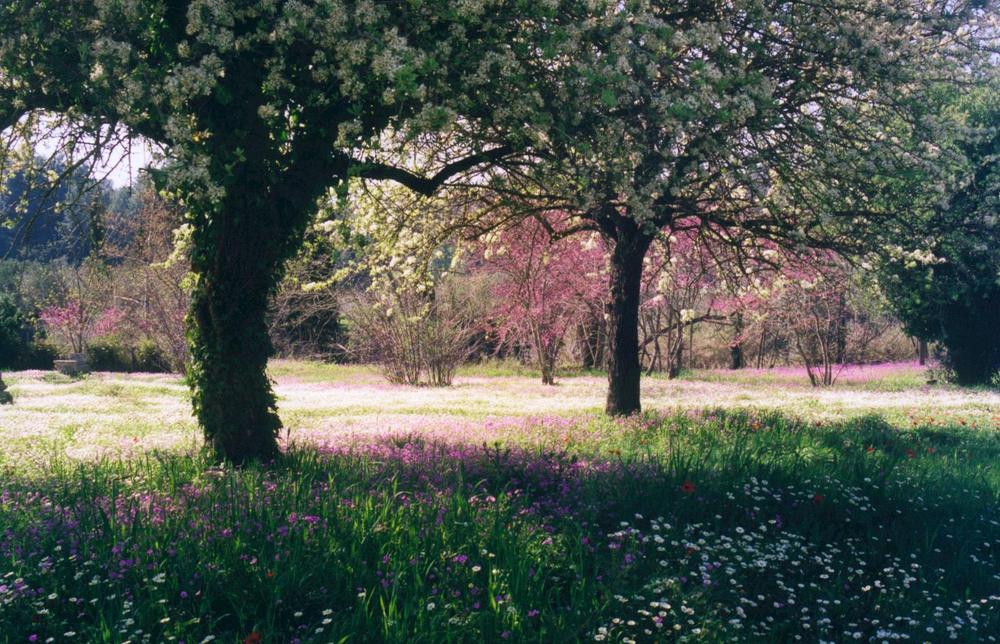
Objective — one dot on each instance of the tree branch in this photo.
(424, 185)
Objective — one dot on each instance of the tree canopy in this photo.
(946, 288)
(748, 121)
(752, 124)
(259, 107)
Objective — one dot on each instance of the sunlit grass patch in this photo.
(114, 409)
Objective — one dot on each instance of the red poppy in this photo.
(253, 638)
(910, 454)
(930, 450)
(688, 487)
(818, 498)
(870, 449)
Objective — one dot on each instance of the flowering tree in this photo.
(681, 288)
(543, 286)
(77, 322)
(260, 107)
(819, 305)
(749, 120)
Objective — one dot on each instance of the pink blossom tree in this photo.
(75, 323)
(681, 288)
(816, 302)
(544, 286)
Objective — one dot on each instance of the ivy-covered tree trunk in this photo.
(629, 247)
(238, 256)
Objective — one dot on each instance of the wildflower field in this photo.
(744, 506)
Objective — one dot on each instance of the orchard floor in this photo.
(742, 506)
(108, 414)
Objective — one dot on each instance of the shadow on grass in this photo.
(747, 525)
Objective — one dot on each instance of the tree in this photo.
(819, 303)
(84, 308)
(944, 281)
(147, 253)
(260, 108)
(15, 332)
(75, 323)
(43, 221)
(745, 121)
(682, 276)
(543, 287)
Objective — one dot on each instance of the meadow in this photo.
(742, 506)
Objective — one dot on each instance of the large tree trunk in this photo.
(238, 257)
(922, 352)
(625, 274)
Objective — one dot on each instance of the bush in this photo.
(16, 334)
(41, 354)
(106, 354)
(415, 338)
(149, 357)
(111, 354)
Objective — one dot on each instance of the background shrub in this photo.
(113, 354)
(16, 334)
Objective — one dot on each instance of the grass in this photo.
(446, 517)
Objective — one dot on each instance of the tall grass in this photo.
(708, 526)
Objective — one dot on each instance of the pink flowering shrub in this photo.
(75, 323)
(817, 304)
(545, 285)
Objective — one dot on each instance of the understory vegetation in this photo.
(694, 524)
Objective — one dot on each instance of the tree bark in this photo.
(676, 360)
(583, 342)
(547, 355)
(736, 359)
(629, 247)
(238, 257)
(922, 352)
(548, 372)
